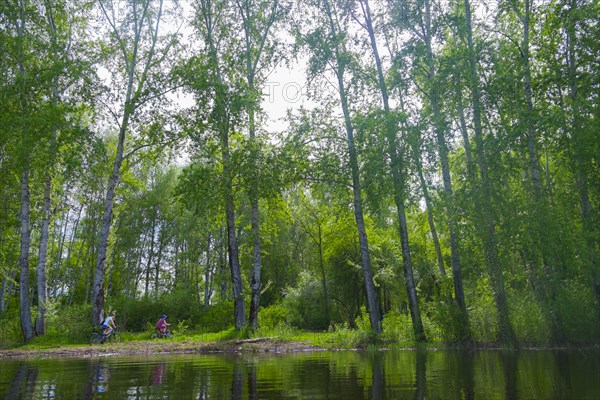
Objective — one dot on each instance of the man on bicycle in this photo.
(161, 325)
(108, 325)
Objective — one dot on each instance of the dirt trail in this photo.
(162, 347)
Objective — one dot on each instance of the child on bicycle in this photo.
(108, 325)
(161, 325)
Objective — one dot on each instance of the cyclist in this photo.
(108, 324)
(161, 325)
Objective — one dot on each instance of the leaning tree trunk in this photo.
(398, 181)
(440, 127)
(255, 283)
(207, 273)
(42, 282)
(239, 312)
(24, 300)
(222, 122)
(372, 303)
(98, 285)
(430, 220)
(580, 162)
(506, 332)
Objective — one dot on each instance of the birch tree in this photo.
(138, 78)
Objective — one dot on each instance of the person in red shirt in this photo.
(161, 325)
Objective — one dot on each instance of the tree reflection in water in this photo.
(378, 382)
(420, 374)
(509, 364)
(24, 382)
(237, 383)
(252, 387)
(98, 379)
(378, 375)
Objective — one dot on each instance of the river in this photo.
(347, 375)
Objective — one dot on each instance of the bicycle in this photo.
(161, 335)
(101, 338)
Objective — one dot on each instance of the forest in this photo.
(439, 182)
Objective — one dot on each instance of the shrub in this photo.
(134, 314)
(305, 304)
(11, 329)
(443, 322)
(580, 318)
(73, 322)
(215, 318)
(272, 316)
(397, 328)
(528, 321)
(482, 314)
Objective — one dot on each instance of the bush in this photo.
(11, 329)
(482, 314)
(528, 320)
(305, 304)
(444, 323)
(272, 316)
(580, 318)
(397, 328)
(215, 318)
(74, 323)
(133, 314)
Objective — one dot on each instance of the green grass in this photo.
(339, 337)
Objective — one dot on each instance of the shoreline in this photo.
(257, 345)
(161, 347)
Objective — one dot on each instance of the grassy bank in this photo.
(283, 339)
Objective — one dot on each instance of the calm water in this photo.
(330, 375)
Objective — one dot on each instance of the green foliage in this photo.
(169, 214)
(580, 312)
(215, 318)
(397, 328)
(482, 314)
(133, 314)
(71, 322)
(304, 304)
(444, 322)
(341, 336)
(11, 329)
(528, 320)
(272, 316)
(181, 327)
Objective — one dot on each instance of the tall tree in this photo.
(211, 78)
(257, 18)
(391, 129)
(328, 41)
(25, 87)
(506, 332)
(139, 64)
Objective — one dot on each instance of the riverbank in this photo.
(257, 345)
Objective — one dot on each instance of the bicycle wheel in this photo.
(116, 338)
(153, 335)
(96, 338)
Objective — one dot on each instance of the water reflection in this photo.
(338, 375)
(158, 373)
(252, 386)
(378, 380)
(98, 378)
(509, 364)
(421, 375)
(23, 383)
